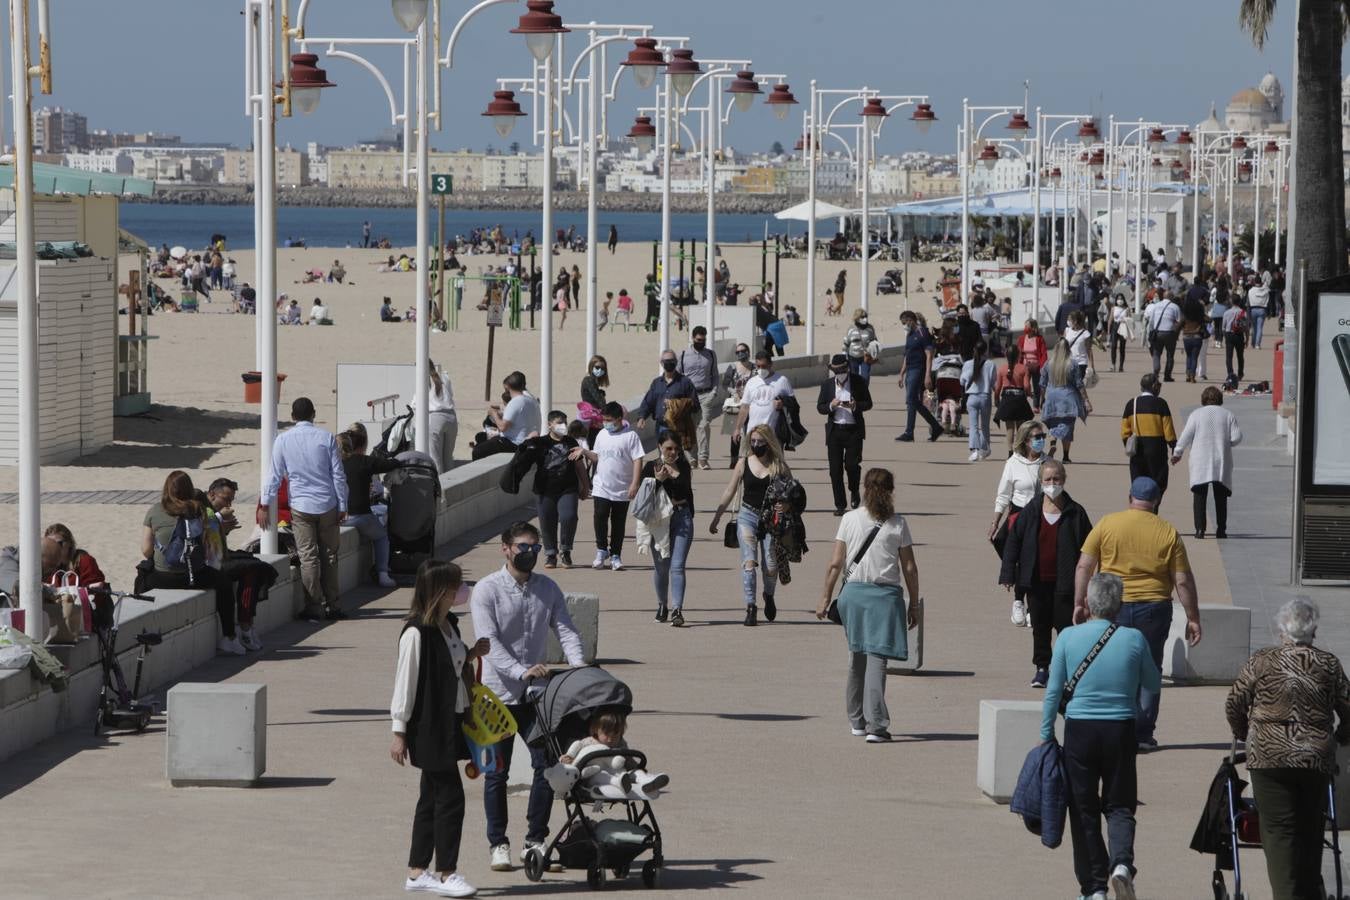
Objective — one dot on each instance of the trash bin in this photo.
(1277, 376)
(253, 386)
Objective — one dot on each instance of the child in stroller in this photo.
(574, 705)
(607, 775)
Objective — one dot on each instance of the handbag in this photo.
(1072, 684)
(583, 479)
(832, 611)
(1132, 442)
(729, 538)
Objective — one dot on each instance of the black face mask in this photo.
(743, 357)
(699, 345)
(668, 365)
(759, 449)
(525, 560)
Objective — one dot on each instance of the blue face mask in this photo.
(611, 427)
(1038, 444)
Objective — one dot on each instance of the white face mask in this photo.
(559, 428)
(1052, 490)
(763, 372)
(598, 372)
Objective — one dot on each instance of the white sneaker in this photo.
(500, 860)
(531, 845)
(384, 581)
(601, 557)
(616, 564)
(1122, 882)
(974, 456)
(249, 638)
(857, 732)
(1019, 613)
(230, 646)
(424, 882)
(455, 886)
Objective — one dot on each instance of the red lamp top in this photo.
(644, 53)
(989, 153)
(744, 83)
(540, 19)
(1272, 147)
(1019, 122)
(1088, 129)
(1239, 143)
(305, 72)
(923, 112)
(683, 63)
(642, 128)
(504, 104)
(779, 96)
(1156, 136)
(874, 108)
(1185, 140)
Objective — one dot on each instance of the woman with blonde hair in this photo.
(1064, 400)
(763, 463)
(858, 344)
(431, 699)
(879, 600)
(442, 421)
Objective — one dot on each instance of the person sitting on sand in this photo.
(387, 313)
(337, 273)
(318, 314)
(292, 314)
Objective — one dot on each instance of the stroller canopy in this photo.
(571, 696)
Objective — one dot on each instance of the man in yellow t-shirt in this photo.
(1148, 555)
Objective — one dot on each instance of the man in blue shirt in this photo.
(515, 610)
(669, 385)
(307, 459)
(916, 375)
(1099, 739)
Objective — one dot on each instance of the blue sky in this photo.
(154, 65)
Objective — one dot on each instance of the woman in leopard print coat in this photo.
(1285, 703)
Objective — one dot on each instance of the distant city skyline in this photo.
(1145, 64)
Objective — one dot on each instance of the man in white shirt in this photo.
(1163, 322)
(318, 313)
(617, 454)
(515, 609)
(518, 421)
(762, 399)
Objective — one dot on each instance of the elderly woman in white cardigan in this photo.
(1211, 433)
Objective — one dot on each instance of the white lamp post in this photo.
(969, 134)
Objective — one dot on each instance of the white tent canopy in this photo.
(802, 211)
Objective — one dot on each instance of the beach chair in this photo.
(187, 302)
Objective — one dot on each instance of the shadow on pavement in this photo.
(734, 717)
(293, 781)
(930, 673)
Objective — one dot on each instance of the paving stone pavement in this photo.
(769, 796)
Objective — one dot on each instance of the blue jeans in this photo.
(1154, 619)
(494, 786)
(369, 526)
(1193, 345)
(914, 401)
(978, 407)
(859, 367)
(668, 572)
(1258, 324)
(557, 514)
(754, 555)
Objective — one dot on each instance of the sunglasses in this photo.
(528, 548)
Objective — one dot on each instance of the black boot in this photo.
(751, 615)
(661, 614)
(770, 608)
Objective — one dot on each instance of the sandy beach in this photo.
(200, 423)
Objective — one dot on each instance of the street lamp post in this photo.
(970, 135)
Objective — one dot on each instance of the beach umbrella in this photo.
(178, 252)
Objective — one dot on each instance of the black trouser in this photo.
(499, 444)
(1292, 802)
(1099, 773)
(610, 518)
(438, 821)
(1050, 609)
(1235, 343)
(207, 578)
(1151, 460)
(1118, 343)
(844, 444)
(557, 515)
(1164, 342)
(1200, 494)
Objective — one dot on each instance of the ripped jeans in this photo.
(747, 531)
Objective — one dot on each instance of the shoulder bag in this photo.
(1132, 442)
(832, 611)
(1072, 684)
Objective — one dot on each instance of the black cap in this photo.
(839, 362)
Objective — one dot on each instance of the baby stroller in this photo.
(563, 708)
(414, 491)
(1231, 822)
(397, 437)
(893, 282)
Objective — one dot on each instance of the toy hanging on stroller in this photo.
(1231, 823)
(563, 710)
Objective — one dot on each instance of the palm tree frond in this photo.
(1255, 16)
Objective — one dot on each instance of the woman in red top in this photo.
(1012, 397)
(1034, 355)
(72, 558)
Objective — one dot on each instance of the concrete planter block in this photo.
(217, 734)
(1008, 731)
(915, 661)
(585, 612)
(1224, 648)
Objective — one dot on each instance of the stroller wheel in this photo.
(534, 864)
(595, 877)
(621, 872)
(651, 873)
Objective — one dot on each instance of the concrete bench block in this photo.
(1008, 731)
(1225, 646)
(915, 661)
(585, 612)
(217, 734)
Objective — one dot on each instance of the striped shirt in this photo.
(1149, 419)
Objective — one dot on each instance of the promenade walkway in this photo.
(769, 794)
